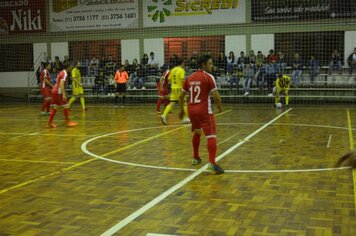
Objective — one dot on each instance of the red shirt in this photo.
(199, 86)
(61, 76)
(165, 81)
(44, 74)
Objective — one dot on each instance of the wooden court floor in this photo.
(120, 172)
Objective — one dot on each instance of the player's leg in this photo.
(209, 128)
(196, 144)
(286, 97)
(82, 100)
(54, 106)
(75, 93)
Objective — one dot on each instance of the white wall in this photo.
(156, 46)
(235, 43)
(60, 50)
(350, 44)
(262, 42)
(130, 49)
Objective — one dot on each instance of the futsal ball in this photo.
(278, 105)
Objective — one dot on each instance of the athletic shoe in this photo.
(186, 121)
(51, 125)
(158, 112)
(71, 123)
(43, 113)
(270, 95)
(143, 88)
(246, 93)
(196, 161)
(163, 119)
(215, 169)
(85, 109)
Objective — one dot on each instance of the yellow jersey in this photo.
(283, 82)
(76, 75)
(176, 77)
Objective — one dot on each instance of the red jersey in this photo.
(199, 86)
(44, 74)
(61, 76)
(165, 81)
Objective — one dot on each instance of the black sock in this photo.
(123, 99)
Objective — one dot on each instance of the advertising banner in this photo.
(22, 16)
(192, 12)
(75, 15)
(291, 10)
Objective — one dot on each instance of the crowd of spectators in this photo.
(242, 70)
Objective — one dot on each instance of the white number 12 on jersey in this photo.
(194, 90)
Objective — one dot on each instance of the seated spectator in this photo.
(260, 60)
(144, 61)
(270, 76)
(94, 66)
(351, 60)
(335, 62)
(152, 64)
(193, 62)
(242, 60)
(110, 66)
(99, 81)
(252, 59)
(102, 63)
(314, 68)
(221, 63)
(272, 56)
(235, 78)
(260, 76)
(231, 62)
(297, 67)
(248, 74)
(173, 61)
(84, 67)
(57, 65)
(281, 62)
(139, 78)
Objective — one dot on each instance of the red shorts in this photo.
(57, 100)
(163, 92)
(203, 121)
(46, 92)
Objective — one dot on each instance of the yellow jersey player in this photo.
(282, 85)
(176, 79)
(77, 87)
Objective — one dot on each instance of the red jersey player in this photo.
(199, 87)
(59, 97)
(45, 88)
(162, 88)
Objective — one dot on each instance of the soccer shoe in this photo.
(196, 161)
(215, 169)
(71, 123)
(43, 113)
(163, 119)
(186, 121)
(51, 125)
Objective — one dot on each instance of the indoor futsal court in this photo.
(121, 172)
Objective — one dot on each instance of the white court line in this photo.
(171, 190)
(152, 234)
(329, 141)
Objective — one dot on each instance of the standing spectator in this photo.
(121, 78)
(231, 62)
(94, 66)
(335, 62)
(270, 76)
(45, 88)
(248, 74)
(77, 87)
(297, 66)
(351, 60)
(162, 88)
(200, 86)
(313, 69)
(59, 97)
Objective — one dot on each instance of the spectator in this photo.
(94, 66)
(281, 62)
(221, 63)
(57, 65)
(193, 62)
(260, 60)
(351, 60)
(152, 64)
(102, 63)
(272, 56)
(270, 76)
(313, 69)
(248, 74)
(297, 67)
(231, 62)
(242, 60)
(173, 61)
(110, 66)
(252, 59)
(139, 78)
(235, 78)
(144, 61)
(260, 76)
(335, 62)
(99, 83)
